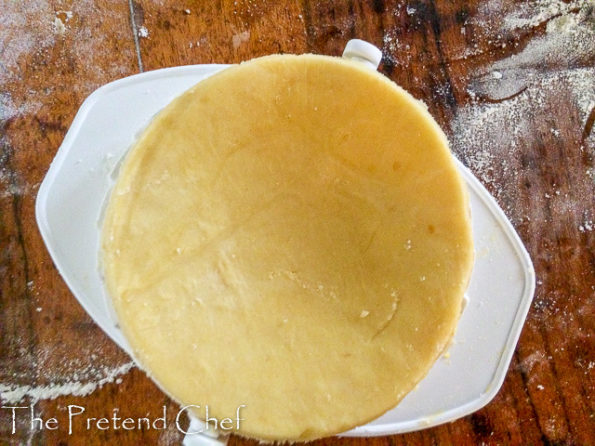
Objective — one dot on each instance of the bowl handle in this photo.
(363, 52)
(198, 435)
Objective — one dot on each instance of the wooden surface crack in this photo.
(135, 36)
(588, 126)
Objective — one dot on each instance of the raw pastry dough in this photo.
(291, 234)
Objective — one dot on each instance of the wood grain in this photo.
(444, 53)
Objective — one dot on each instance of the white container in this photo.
(69, 210)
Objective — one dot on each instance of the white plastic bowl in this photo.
(69, 209)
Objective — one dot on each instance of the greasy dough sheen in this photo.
(291, 234)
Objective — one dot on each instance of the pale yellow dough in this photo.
(291, 234)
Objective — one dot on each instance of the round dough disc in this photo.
(292, 235)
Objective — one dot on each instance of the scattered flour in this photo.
(485, 134)
(587, 226)
(59, 26)
(11, 393)
(568, 42)
(67, 15)
(143, 32)
(512, 99)
(391, 44)
(240, 38)
(410, 10)
(50, 370)
(34, 27)
(59, 23)
(532, 14)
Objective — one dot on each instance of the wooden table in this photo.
(512, 83)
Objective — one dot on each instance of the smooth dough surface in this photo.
(290, 234)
